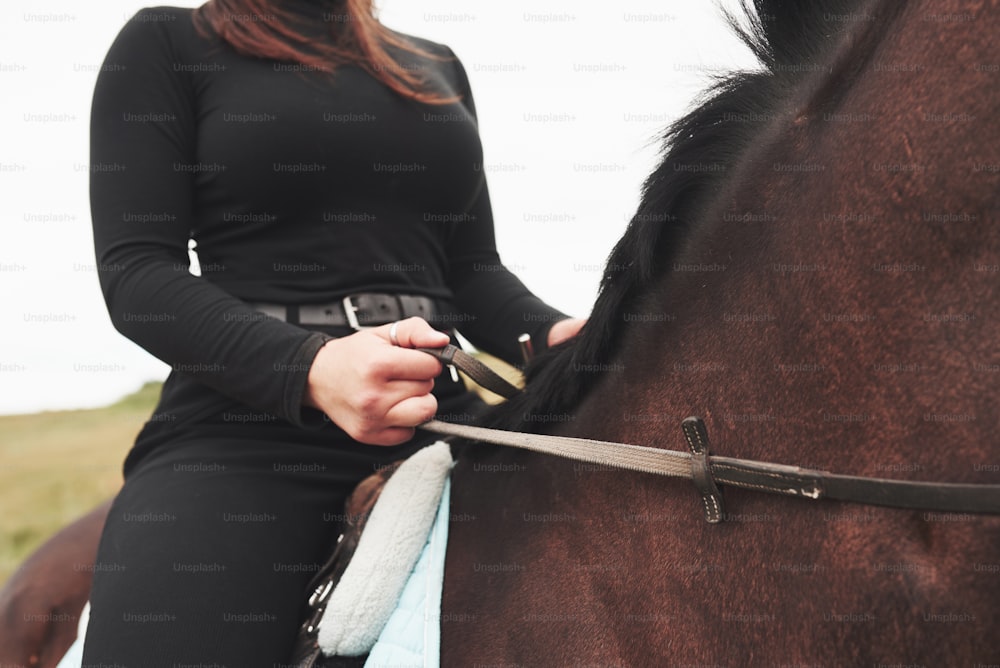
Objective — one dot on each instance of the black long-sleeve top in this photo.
(297, 187)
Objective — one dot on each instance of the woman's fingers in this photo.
(390, 436)
(397, 424)
(379, 401)
(565, 329)
(413, 333)
(401, 363)
(412, 411)
(404, 364)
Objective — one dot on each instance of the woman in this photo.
(329, 172)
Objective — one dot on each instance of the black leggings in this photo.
(211, 542)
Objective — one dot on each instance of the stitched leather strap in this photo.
(794, 481)
(473, 368)
(709, 471)
(701, 473)
(746, 473)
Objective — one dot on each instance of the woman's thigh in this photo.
(207, 551)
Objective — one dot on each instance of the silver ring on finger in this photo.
(393, 334)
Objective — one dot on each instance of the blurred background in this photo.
(572, 96)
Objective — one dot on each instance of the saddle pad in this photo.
(389, 547)
(73, 658)
(412, 636)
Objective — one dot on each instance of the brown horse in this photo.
(40, 604)
(813, 271)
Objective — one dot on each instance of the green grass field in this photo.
(55, 466)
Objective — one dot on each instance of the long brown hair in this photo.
(266, 29)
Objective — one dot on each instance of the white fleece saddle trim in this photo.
(389, 547)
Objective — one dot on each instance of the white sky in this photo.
(562, 191)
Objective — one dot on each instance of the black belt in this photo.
(354, 311)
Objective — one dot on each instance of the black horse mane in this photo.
(699, 148)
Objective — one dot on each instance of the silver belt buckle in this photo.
(351, 311)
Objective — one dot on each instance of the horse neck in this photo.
(836, 305)
(813, 316)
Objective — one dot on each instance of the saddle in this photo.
(357, 510)
(352, 600)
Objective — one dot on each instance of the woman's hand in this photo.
(565, 329)
(373, 390)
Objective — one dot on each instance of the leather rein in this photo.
(709, 471)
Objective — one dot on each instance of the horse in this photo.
(811, 270)
(40, 604)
